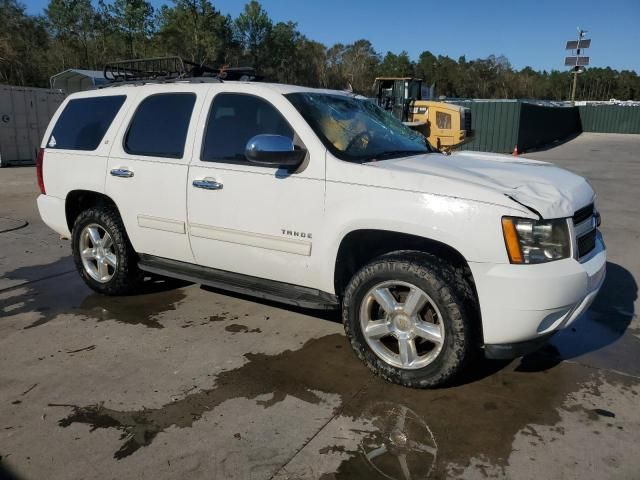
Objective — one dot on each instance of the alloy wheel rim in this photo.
(402, 324)
(97, 252)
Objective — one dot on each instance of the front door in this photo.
(251, 219)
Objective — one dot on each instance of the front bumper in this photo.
(527, 303)
(505, 351)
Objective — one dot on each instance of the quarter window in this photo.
(233, 120)
(160, 124)
(84, 122)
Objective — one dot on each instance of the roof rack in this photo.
(171, 68)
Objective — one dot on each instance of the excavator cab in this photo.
(445, 125)
(396, 94)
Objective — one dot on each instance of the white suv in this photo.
(320, 199)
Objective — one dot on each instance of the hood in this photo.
(549, 190)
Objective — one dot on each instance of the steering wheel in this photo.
(358, 138)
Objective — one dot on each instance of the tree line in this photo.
(81, 34)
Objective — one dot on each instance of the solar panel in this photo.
(573, 44)
(584, 43)
(572, 61)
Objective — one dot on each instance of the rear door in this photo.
(78, 141)
(147, 171)
(259, 221)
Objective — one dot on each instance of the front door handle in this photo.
(207, 184)
(122, 172)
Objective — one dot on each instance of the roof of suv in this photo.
(283, 89)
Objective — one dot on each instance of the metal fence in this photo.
(24, 115)
(501, 125)
(610, 118)
(541, 125)
(494, 125)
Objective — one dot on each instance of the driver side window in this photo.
(233, 120)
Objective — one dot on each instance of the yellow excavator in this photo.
(445, 125)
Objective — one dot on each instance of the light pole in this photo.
(577, 62)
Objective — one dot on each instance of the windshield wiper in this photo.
(394, 154)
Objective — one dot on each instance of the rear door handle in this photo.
(207, 184)
(122, 172)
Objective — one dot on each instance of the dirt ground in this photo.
(188, 382)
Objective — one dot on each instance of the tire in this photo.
(123, 279)
(450, 313)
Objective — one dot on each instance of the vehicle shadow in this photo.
(604, 324)
(7, 474)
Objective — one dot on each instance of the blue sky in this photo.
(526, 32)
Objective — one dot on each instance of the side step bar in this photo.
(235, 282)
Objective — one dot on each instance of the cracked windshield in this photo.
(357, 130)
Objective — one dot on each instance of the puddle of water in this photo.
(11, 224)
(237, 328)
(68, 294)
(320, 366)
(422, 432)
(402, 444)
(142, 309)
(219, 317)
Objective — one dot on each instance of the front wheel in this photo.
(103, 254)
(408, 320)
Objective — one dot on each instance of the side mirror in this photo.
(274, 151)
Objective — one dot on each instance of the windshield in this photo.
(356, 129)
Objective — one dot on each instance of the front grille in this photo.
(583, 214)
(586, 243)
(585, 228)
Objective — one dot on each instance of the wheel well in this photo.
(361, 246)
(79, 200)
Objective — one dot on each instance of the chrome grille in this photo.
(583, 214)
(584, 223)
(586, 243)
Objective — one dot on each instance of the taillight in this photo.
(39, 166)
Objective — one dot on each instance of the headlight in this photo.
(536, 241)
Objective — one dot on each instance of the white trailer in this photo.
(24, 115)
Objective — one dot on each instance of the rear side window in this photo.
(235, 119)
(84, 121)
(160, 124)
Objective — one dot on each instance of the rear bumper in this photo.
(527, 303)
(52, 211)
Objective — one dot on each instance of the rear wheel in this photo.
(103, 254)
(408, 319)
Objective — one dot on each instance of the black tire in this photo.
(127, 277)
(448, 288)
